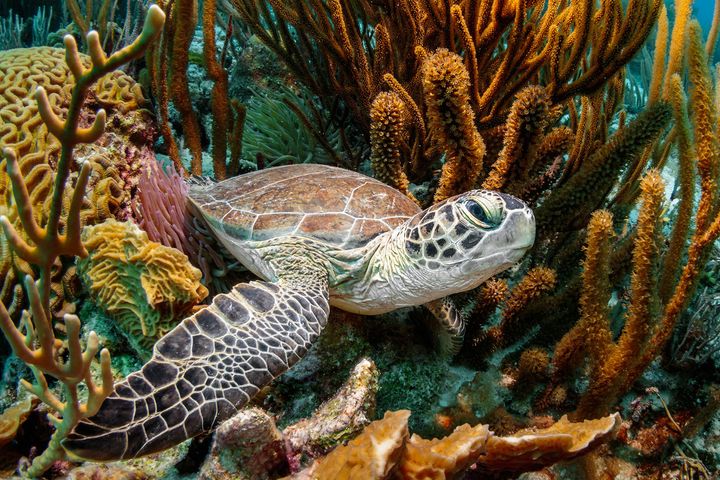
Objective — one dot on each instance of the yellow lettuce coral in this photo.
(13, 416)
(145, 286)
(372, 455)
(445, 457)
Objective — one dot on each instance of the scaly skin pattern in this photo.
(216, 360)
(208, 366)
(438, 252)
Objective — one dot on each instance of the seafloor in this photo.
(154, 238)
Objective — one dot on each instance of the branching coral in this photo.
(116, 155)
(446, 85)
(38, 345)
(168, 65)
(146, 287)
(533, 285)
(219, 97)
(566, 48)
(570, 205)
(524, 130)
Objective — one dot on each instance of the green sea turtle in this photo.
(318, 236)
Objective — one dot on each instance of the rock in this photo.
(338, 419)
(247, 446)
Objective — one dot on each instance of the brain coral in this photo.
(118, 156)
(144, 286)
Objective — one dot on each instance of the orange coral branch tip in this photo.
(95, 131)
(154, 20)
(98, 394)
(95, 49)
(54, 124)
(14, 337)
(74, 227)
(43, 329)
(22, 249)
(74, 365)
(72, 56)
(22, 197)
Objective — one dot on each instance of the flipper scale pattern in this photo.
(206, 368)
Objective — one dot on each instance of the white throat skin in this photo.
(432, 255)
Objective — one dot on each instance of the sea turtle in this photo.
(318, 236)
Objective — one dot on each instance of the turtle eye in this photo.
(480, 214)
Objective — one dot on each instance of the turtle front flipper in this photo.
(206, 368)
(449, 326)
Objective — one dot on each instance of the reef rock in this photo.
(338, 419)
(247, 447)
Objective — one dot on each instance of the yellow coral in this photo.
(383, 450)
(22, 71)
(144, 285)
(372, 455)
(564, 440)
(12, 417)
(446, 84)
(443, 458)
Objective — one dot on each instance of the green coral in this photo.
(144, 286)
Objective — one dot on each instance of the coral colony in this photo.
(329, 239)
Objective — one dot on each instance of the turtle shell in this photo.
(337, 206)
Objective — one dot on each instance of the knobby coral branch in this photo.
(38, 346)
(446, 83)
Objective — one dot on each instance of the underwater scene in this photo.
(360, 239)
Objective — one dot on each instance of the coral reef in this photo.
(608, 134)
(12, 417)
(117, 156)
(38, 346)
(145, 287)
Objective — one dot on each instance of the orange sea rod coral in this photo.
(388, 132)
(524, 130)
(446, 84)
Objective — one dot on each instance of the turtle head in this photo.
(463, 241)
